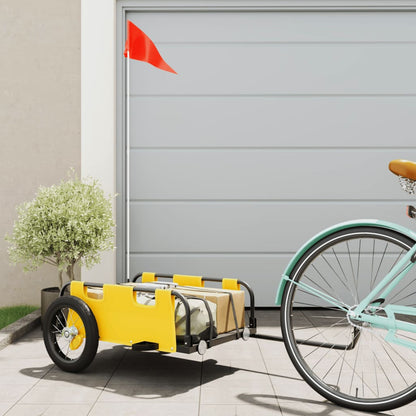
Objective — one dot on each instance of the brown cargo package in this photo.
(225, 316)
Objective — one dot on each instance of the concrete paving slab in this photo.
(408, 410)
(237, 378)
(49, 410)
(68, 393)
(302, 407)
(13, 392)
(4, 407)
(288, 388)
(149, 409)
(150, 368)
(236, 392)
(145, 392)
(238, 410)
(10, 376)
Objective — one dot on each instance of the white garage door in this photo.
(277, 125)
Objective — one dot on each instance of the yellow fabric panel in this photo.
(183, 280)
(120, 319)
(148, 277)
(230, 284)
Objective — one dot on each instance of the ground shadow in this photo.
(136, 374)
(327, 408)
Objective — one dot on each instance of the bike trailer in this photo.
(168, 313)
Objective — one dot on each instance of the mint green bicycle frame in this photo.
(364, 311)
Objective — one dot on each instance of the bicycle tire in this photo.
(70, 333)
(364, 374)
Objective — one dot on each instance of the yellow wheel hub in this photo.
(74, 321)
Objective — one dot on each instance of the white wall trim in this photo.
(264, 5)
(98, 105)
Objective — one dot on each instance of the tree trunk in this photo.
(70, 272)
(60, 279)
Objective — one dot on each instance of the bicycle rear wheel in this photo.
(350, 363)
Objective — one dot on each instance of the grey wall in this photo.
(39, 118)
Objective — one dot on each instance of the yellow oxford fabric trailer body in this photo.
(121, 320)
(73, 324)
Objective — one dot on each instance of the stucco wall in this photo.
(40, 87)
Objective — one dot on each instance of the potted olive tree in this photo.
(65, 225)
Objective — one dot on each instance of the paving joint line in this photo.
(108, 381)
(32, 387)
(270, 378)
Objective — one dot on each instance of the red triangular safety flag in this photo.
(140, 47)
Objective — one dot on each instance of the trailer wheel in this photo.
(70, 333)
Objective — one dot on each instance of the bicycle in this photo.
(348, 310)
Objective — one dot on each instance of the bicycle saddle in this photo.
(404, 168)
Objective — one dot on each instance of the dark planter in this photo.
(47, 296)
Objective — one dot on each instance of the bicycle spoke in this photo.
(355, 364)
(392, 300)
(400, 254)
(372, 265)
(314, 305)
(322, 277)
(342, 307)
(58, 330)
(385, 375)
(382, 340)
(375, 372)
(405, 297)
(333, 295)
(394, 363)
(328, 349)
(405, 336)
(366, 371)
(343, 357)
(358, 263)
(335, 272)
(353, 273)
(319, 333)
(342, 270)
(354, 372)
(57, 317)
(381, 261)
(339, 323)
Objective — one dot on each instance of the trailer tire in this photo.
(70, 333)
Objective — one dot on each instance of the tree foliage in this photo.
(63, 225)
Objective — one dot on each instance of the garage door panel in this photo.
(278, 27)
(273, 121)
(243, 227)
(278, 124)
(250, 174)
(224, 69)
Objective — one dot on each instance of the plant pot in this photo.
(47, 296)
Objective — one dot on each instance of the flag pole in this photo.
(143, 49)
(128, 169)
